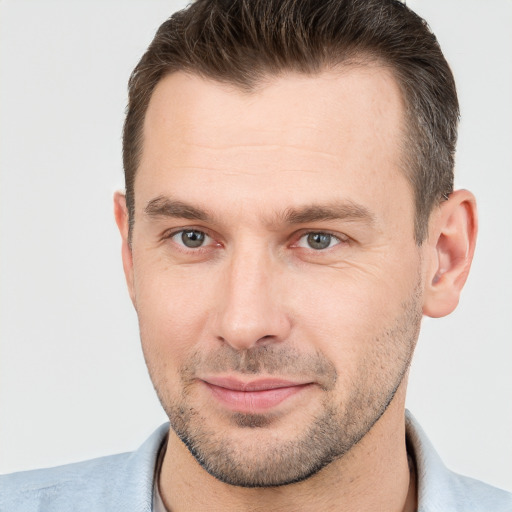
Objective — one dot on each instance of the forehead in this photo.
(293, 137)
(296, 106)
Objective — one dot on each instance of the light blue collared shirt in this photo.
(125, 483)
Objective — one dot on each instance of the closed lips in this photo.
(254, 396)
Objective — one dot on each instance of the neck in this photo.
(373, 476)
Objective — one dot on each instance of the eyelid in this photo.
(296, 237)
(341, 237)
(170, 233)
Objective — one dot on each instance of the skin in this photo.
(257, 301)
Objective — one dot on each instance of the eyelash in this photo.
(171, 234)
(340, 239)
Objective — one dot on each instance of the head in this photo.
(287, 223)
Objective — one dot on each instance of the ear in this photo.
(122, 221)
(452, 238)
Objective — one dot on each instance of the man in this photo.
(289, 217)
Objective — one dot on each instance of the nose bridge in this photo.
(249, 311)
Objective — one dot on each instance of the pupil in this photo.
(319, 240)
(192, 238)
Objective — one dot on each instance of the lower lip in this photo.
(254, 401)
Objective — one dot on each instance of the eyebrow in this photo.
(162, 206)
(336, 210)
(166, 207)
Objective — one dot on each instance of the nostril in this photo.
(269, 338)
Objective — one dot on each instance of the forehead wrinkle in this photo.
(260, 146)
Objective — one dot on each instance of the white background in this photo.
(73, 383)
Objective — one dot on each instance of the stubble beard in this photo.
(264, 461)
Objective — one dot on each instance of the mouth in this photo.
(256, 396)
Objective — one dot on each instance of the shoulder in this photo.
(442, 490)
(476, 496)
(116, 482)
(51, 489)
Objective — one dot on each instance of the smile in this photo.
(252, 397)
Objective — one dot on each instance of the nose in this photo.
(250, 307)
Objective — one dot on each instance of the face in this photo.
(273, 267)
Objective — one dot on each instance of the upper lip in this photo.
(262, 384)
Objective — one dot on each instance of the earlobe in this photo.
(122, 221)
(452, 238)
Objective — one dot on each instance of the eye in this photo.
(318, 241)
(191, 238)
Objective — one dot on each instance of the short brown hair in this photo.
(243, 41)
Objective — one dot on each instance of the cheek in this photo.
(341, 324)
(173, 306)
(345, 313)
